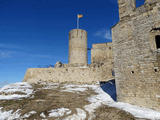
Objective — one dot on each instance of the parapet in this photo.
(78, 33)
(66, 74)
(128, 9)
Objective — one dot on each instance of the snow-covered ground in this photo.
(74, 88)
(9, 115)
(103, 98)
(27, 115)
(81, 115)
(95, 101)
(15, 91)
(59, 112)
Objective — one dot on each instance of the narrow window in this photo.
(157, 38)
(139, 3)
(155, 70)
(113, 73)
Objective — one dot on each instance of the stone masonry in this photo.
(78, 47)
(136, 48)
(77, 71)
(102, 53)
(88, 74)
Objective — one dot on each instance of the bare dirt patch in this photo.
(46, 98)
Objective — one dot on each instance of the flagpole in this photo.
(77, 22)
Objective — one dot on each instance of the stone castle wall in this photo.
(95, 72)
(102, 53)
(86, 74)
(136, 58)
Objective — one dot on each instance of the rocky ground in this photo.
(59, 102)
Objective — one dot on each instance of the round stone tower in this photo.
(78, 47)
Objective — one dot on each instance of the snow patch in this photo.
(76, 88)
(42, 115)
(81, 115)
(157, 96)
(84, 67)
(59, 112)
(16, 91)
(137, 111)
(9, 115)
(27, 115)
(97, 101)
(103, 98)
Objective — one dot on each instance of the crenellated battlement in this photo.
(78, 33)
(128, 9)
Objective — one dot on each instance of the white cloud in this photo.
(7, 50)
(104, 33)
(12, 50)
(108, 35)
(5, 54)
(9, 46)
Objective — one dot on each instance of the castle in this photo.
(136, 48)
(136, 57)
(78, 70)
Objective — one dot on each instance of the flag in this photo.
(79, 15)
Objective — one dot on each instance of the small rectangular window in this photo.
(157, 38)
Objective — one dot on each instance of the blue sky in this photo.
(34, 33)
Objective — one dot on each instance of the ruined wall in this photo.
(78, 47)
(126, 7)
(136, 58)
(101, 53)
(78, 70)
(88, 74)
(100, 70)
